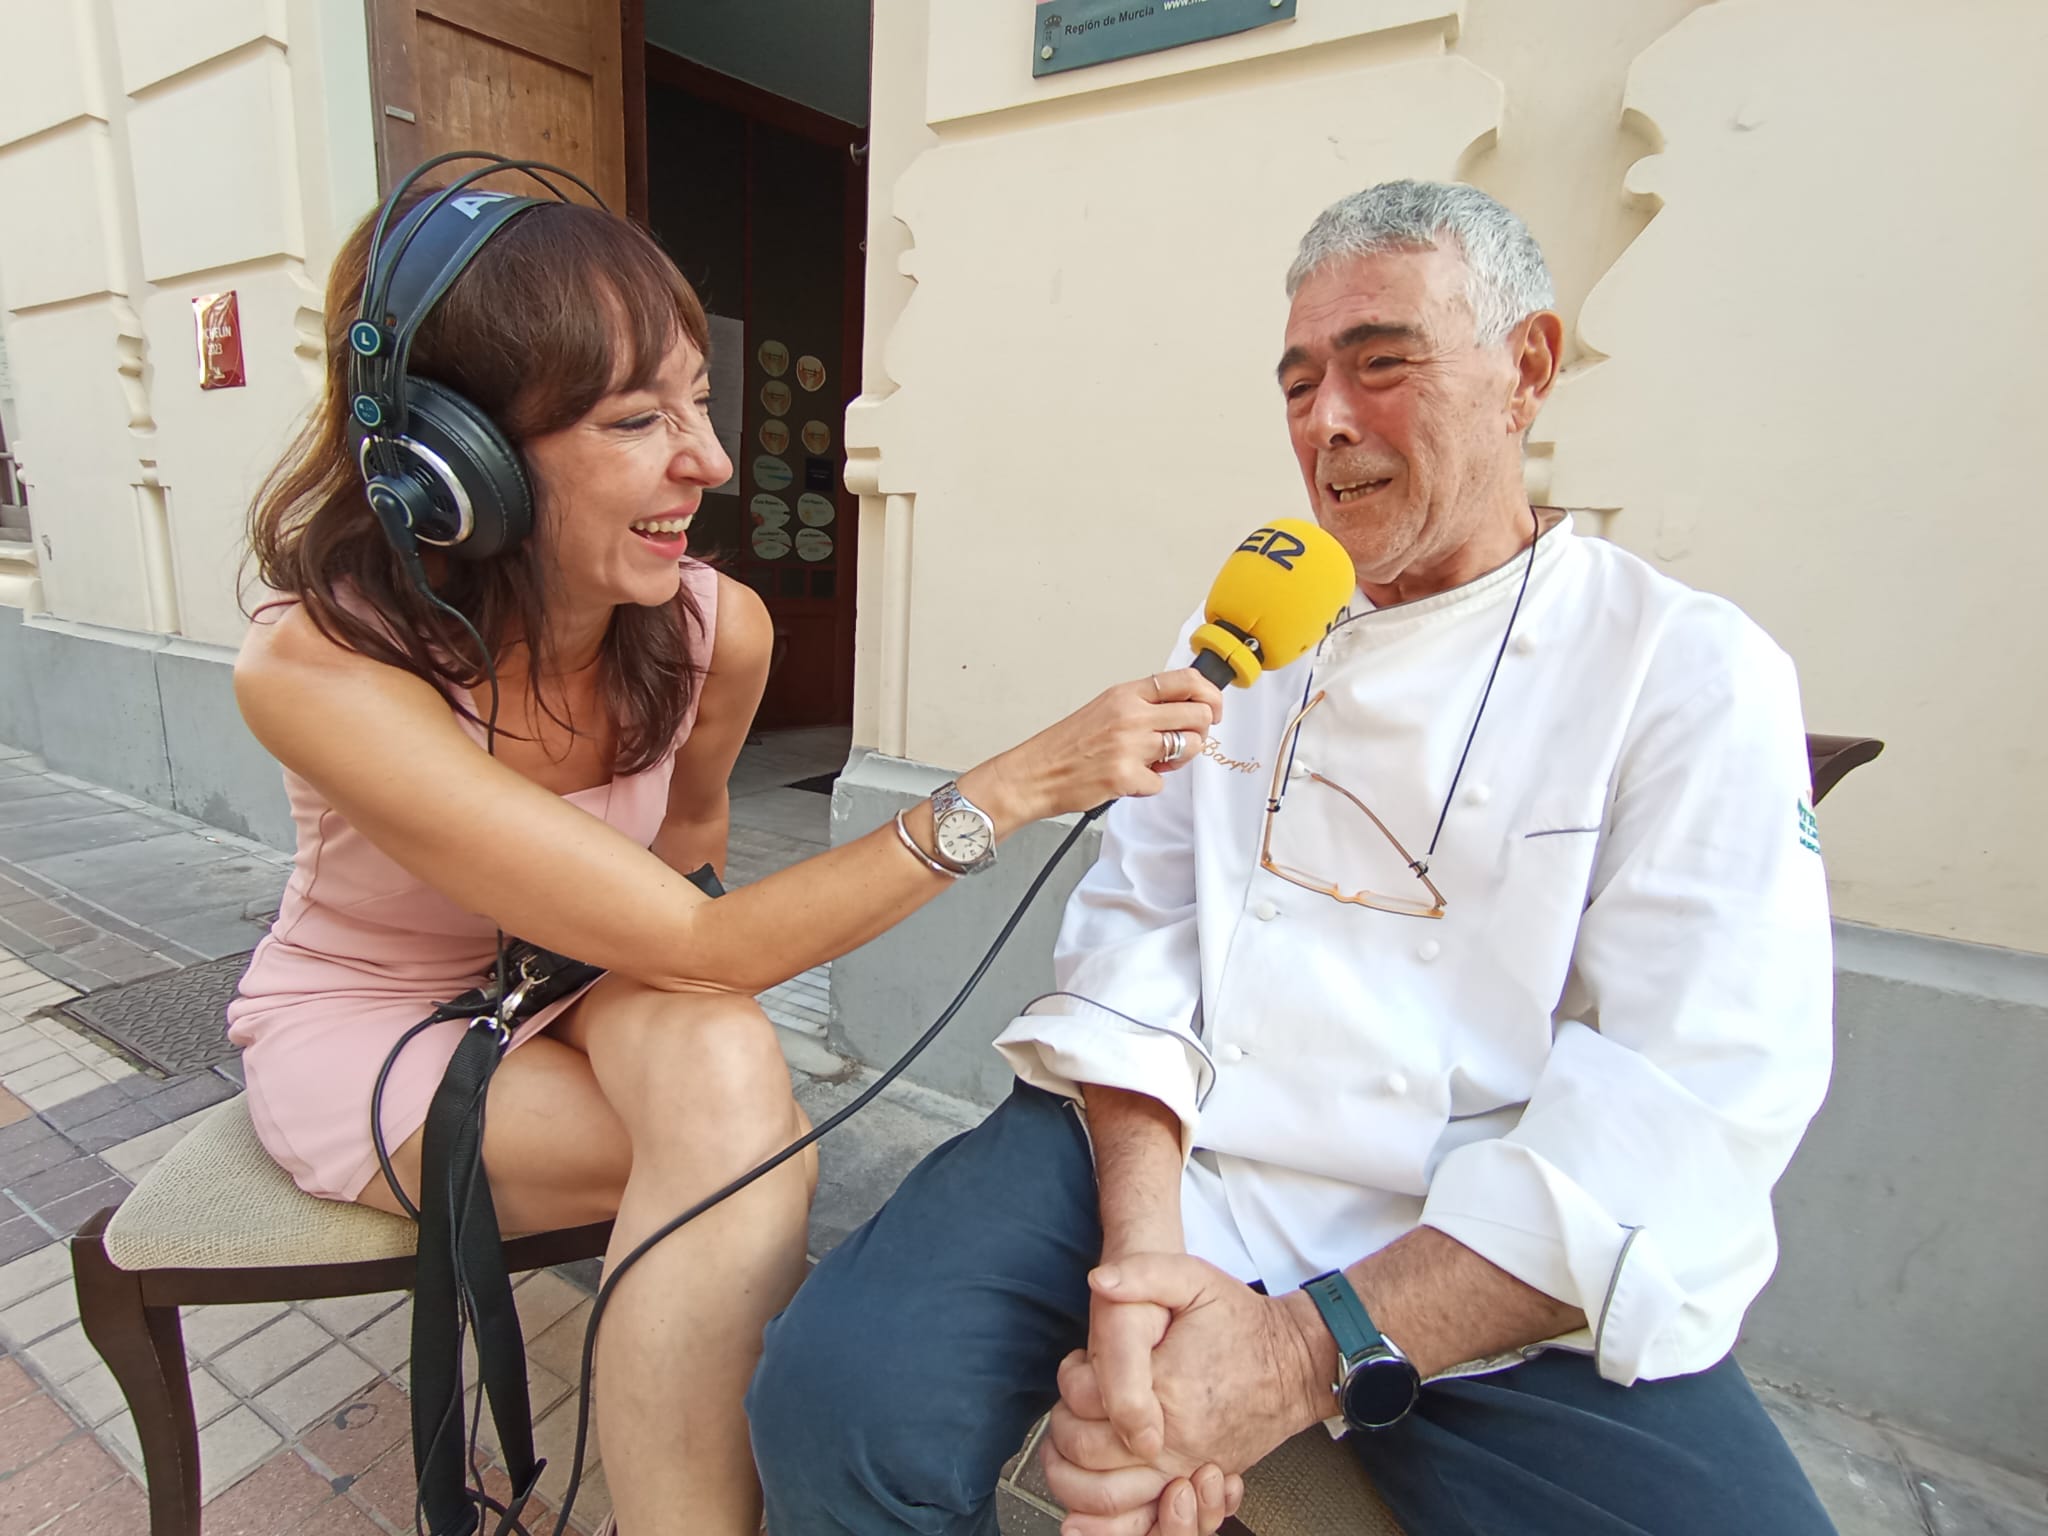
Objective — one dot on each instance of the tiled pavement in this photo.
(303, 1407)
(97, 888)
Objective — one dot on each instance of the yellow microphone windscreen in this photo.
(1275, 597)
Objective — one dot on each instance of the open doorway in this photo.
(762, 201)
(736, 132)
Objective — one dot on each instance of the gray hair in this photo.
(1506, 279)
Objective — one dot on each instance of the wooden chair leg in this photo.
(144, 1347)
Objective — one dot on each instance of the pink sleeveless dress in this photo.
(360, 952)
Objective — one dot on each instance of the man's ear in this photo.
(1538, 354)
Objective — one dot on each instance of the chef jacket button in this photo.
(1524, 643)
(1231, 1053)
(1478, 794)
(1396, 1083)
(1265, 911)
(1428, 950)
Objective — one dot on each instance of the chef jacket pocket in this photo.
(1535, 922)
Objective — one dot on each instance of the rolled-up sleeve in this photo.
(1127, 968)
(1695, 1039)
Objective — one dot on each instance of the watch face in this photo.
(963, 837)
(1379, 1391)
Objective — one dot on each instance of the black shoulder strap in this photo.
(462, 1269)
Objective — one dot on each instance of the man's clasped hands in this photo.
(1189, 1378)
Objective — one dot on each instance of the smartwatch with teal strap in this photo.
(1375, 1385)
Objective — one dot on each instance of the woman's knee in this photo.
(694, 1069)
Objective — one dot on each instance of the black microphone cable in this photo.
(760, 1170)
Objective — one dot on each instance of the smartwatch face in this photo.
(1379, 1392)
(963, 837)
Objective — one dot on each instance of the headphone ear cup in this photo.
(482, 500)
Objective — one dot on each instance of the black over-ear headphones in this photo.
(437, 469)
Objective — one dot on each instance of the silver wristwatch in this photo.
(964, 837)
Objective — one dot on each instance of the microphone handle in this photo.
(1214, 668)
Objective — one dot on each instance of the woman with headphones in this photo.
(507, 701)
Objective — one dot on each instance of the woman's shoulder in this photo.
(732, 672)
(742, 633)
(288, 663)
(289, 627)
(283, 637)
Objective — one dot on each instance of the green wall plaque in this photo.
(1072, 34)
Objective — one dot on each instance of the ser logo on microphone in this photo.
(1277, 545)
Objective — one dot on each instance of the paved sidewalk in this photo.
(303, 1407)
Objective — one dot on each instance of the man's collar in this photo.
(1553, 533)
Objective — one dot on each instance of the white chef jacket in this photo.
(1592, 1069)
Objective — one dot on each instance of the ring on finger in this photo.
(1172, 741)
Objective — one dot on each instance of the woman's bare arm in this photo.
(384, 747)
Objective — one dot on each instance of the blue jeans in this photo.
(912, 1363)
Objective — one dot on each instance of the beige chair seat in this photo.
(1312, 1486)
(218, 1201)
(218, 1223)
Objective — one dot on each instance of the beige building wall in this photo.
(1797, 256)
(150, 153)
(1821, 396)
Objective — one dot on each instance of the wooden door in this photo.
(535, 79)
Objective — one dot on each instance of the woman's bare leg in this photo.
(643, 1104)
(702, 1088)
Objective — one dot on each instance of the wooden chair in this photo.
(217, 1221)
(1829, 759)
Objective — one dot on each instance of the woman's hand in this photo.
(1116, 745)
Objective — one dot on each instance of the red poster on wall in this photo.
(219, 322)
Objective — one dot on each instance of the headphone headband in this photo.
(435, 241)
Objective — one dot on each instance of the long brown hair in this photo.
(565, 305)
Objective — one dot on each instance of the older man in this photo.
(1437, 1038)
